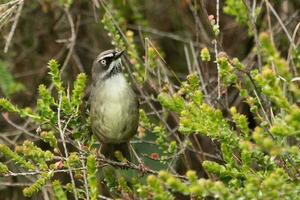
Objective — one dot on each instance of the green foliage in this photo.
(37, 186)
(45, 104)
(172, 147)
(205, 55)
(7, 83)
(30, 151)
(65, 3)
(174, 103)
(58, 190)
(296, 58)
(111, 180)
(139, 71)
(78, 91)
(237, 9)
(144, 120)
(239, 178)
(151, 57)
(240, 121)
(55, 76)
(7, 106)
(207, 188)
(51, 125)
(226, 70)
(49, 137)
(198, 117)
(73, 160)
(91, 176)
(113, 32)
(215, 26)
(195, 188)
(249, 163)
(289, 125)
(272, 56)
(18, 160)
(161, 139)
(270, 86)
(113, 22)
(225, 174)
(123, 186)
(154, 189)
(131, 12)
(3, 168)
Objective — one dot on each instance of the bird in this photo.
(114, 106)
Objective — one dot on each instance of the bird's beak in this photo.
(119, 54)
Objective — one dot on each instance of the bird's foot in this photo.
(142, 167)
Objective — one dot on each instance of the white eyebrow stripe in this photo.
(105, 56)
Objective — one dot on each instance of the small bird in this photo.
(114, 105)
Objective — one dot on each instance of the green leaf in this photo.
(58, 191)
(91, 176)
(15, 157)
(37, 186)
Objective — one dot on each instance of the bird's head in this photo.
(107, 64)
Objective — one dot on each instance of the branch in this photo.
(14, 26)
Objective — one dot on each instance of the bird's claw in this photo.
(142, 168)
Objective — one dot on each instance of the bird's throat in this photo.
(114, 69)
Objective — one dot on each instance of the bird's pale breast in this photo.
(114, 110)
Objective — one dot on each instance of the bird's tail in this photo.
(116, 152)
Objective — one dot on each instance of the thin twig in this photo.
(251, 16)
(290, 50)
(166, 35)
(10, 3)
(102, 161)
(14, 26)
(86, 186)
(257, 94)
(215, 42)
(65, 146)
(129, 165)
(72, 39)
(30, 173)
(19, 127)
(198, 69)
(104, 197)
(280, 22)
(187, 58)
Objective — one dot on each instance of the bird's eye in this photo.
(103, 62)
